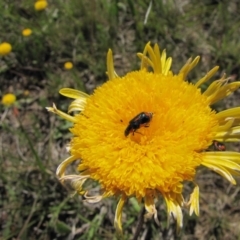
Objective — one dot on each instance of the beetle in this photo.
(219, 146)
(141, 120)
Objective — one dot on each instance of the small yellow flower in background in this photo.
(68, 65)
(144, 134)
(8, 99)
(5, 48)
(40, 5)
(26, 32)
(26, 93)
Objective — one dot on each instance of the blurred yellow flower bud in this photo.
(26, 32)
(26, 93)
(8, 99)
(40, 5)
(68, 65)
(5, 48)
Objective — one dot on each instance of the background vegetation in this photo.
(32, 142)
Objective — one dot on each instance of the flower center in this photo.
(160, 150)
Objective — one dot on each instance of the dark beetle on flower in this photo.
(141, 120)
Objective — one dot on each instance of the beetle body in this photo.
(219, 146)
(141, 120)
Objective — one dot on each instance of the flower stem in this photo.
(139, 224)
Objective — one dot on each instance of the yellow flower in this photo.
(40, 5)
(26, 93)
(5, 48)
(8, 99)
(154, 153)
(26, 32)
(68, 65)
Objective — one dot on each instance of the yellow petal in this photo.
(167, 66)
(118, 215)
(93, 199)
(189, 66)
(151, 208)
(61, 114)
(215, 86)
(110, 67)
(75, 181)
(207, 76)
(145, 61)
(222, 171)
(73, 93)
(77, 105)
(153, 58)
(232, 133)
(62, 167)
(223, 155)
(214, 161)
(227, 125)
(232, 113)
(158, 57)
(194, 201)
(174, 209)
(223, 91)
